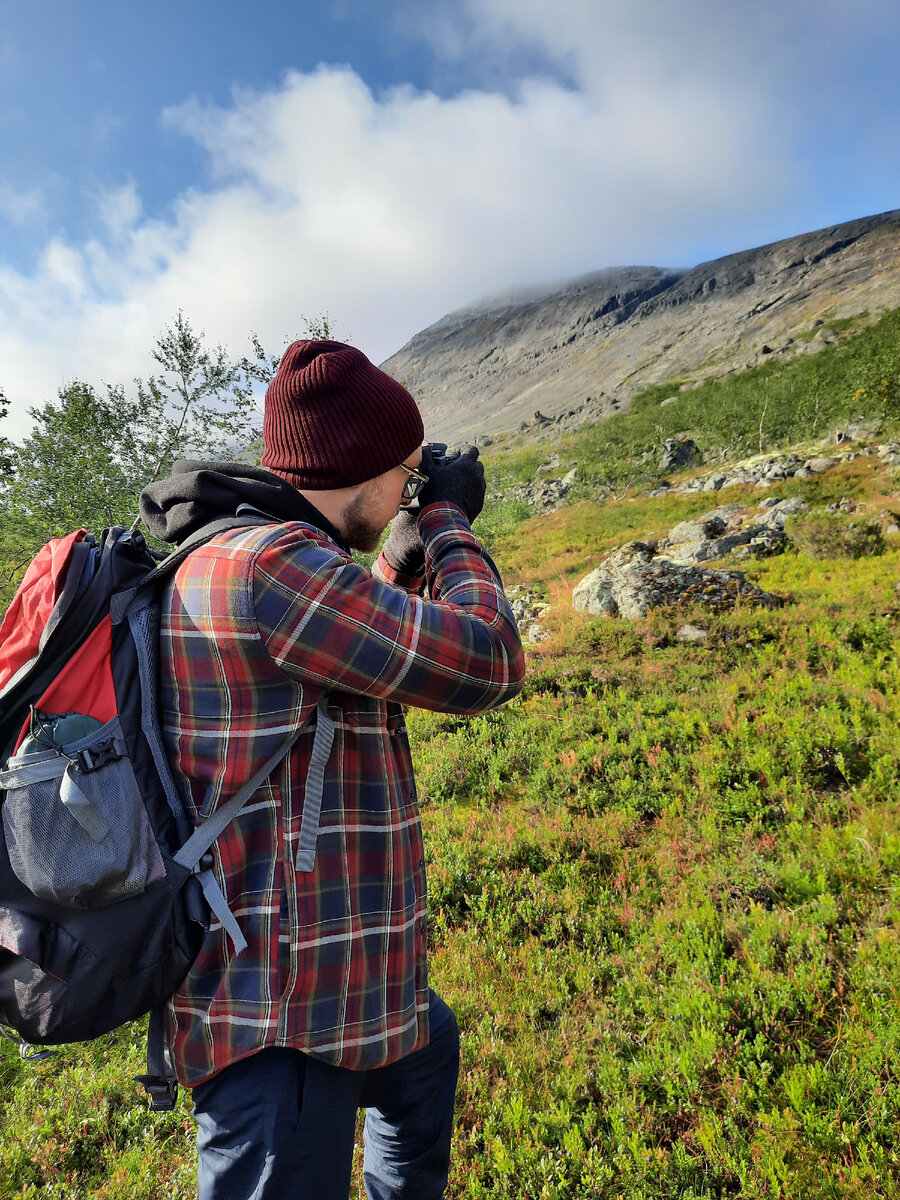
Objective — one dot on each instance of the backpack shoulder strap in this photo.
(120, 602)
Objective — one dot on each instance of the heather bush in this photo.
(834, 535)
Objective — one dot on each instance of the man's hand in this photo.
(458, 480)
(403, 549)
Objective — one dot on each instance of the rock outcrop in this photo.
(732, 529)
(635, 579)
(679, 454)
(768, 470)
(547, 495)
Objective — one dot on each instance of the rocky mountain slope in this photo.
(579, 351)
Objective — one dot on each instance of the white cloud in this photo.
(119, 210)
(388, 210)
(20, 207)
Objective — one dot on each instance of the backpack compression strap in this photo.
(190, 856)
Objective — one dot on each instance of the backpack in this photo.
(105, 886)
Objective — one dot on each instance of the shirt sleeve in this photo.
(324, 618)
(382, 569)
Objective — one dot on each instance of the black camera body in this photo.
(439, 456)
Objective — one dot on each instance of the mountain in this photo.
(578, 351)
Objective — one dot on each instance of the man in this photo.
(274, 629)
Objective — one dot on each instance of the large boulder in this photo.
(635, 579)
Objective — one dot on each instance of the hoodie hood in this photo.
(197, 493)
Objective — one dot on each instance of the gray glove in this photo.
(403, 548)
(459, 480)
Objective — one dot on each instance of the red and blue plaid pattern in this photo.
(257, 625)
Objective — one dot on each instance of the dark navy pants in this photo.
(280, 1125)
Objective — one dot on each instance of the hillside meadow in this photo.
(664, 881)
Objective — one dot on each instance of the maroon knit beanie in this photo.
(334, 420)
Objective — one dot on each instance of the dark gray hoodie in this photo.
(197, 493)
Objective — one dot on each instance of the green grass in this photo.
(664, 893)
(665, 902)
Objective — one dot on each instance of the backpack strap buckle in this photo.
(159, 1083)
(98, 756)
(162, 1092)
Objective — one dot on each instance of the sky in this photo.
(259, 164)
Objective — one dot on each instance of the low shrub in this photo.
(832, 535)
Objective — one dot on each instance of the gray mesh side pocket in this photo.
(76, 829)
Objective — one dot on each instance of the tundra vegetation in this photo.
(664, 881)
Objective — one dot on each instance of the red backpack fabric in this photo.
(84, 684)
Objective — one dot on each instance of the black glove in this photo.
(459, 480)
(403, 548)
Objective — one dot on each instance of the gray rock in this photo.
(709, 525)
(860, 429)
(677, 454)
(594, 594)
(764, 473)
(546, 495)
(794, 505)
(723, 531)
(691, 633)
(777, 513)
(697, 552)
(634, 579)
(726, 513)
(519, 607)
(526, 606)
(694, 531)
(771, 523)
(537, 633)
(668, 400)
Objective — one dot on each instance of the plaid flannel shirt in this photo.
(257, 627)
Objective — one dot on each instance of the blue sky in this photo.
(83, 87)
(386, 163)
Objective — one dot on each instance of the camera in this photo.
(440, 455)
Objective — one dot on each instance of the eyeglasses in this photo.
(414, 483)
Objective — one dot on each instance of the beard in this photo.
(360, 531)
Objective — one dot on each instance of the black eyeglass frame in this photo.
(414, 483)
